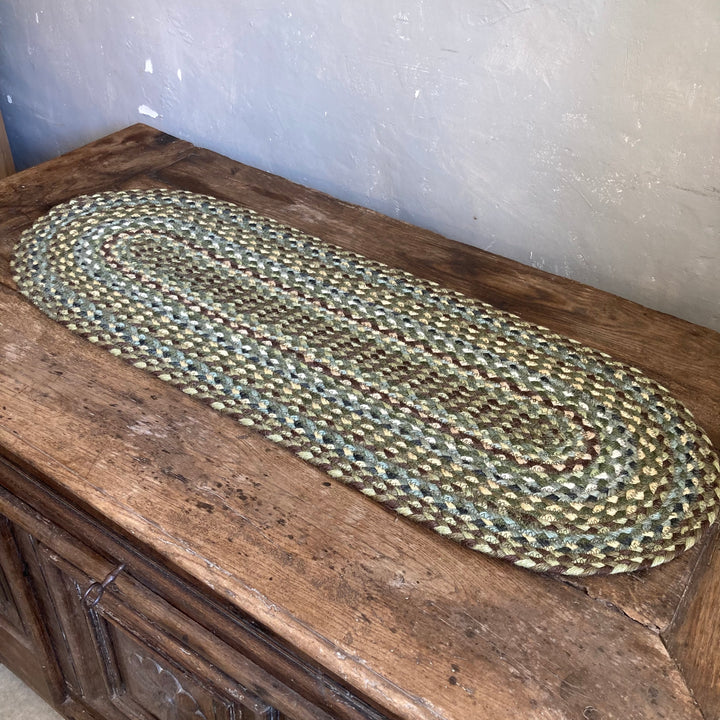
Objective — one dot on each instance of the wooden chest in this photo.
(157, 560)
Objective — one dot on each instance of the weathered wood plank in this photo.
(92, 167)
(693, 639)
(650, 596)
(12, 222)
(421, 626)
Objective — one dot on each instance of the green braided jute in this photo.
(492, 431)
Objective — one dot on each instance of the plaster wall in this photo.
(579, 136)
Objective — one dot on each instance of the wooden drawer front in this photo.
(130, 655)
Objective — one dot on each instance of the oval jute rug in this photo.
(494, 432)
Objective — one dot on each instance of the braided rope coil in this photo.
(494, 432)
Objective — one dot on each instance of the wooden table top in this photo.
(421, 626)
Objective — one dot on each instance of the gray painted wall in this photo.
(579, 136)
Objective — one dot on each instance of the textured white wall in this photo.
(580, 136)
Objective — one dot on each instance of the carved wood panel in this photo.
(161, 690)
(124, 667)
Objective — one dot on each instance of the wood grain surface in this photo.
(425, 628)
(694, 636)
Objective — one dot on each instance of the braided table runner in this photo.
(494, 432)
